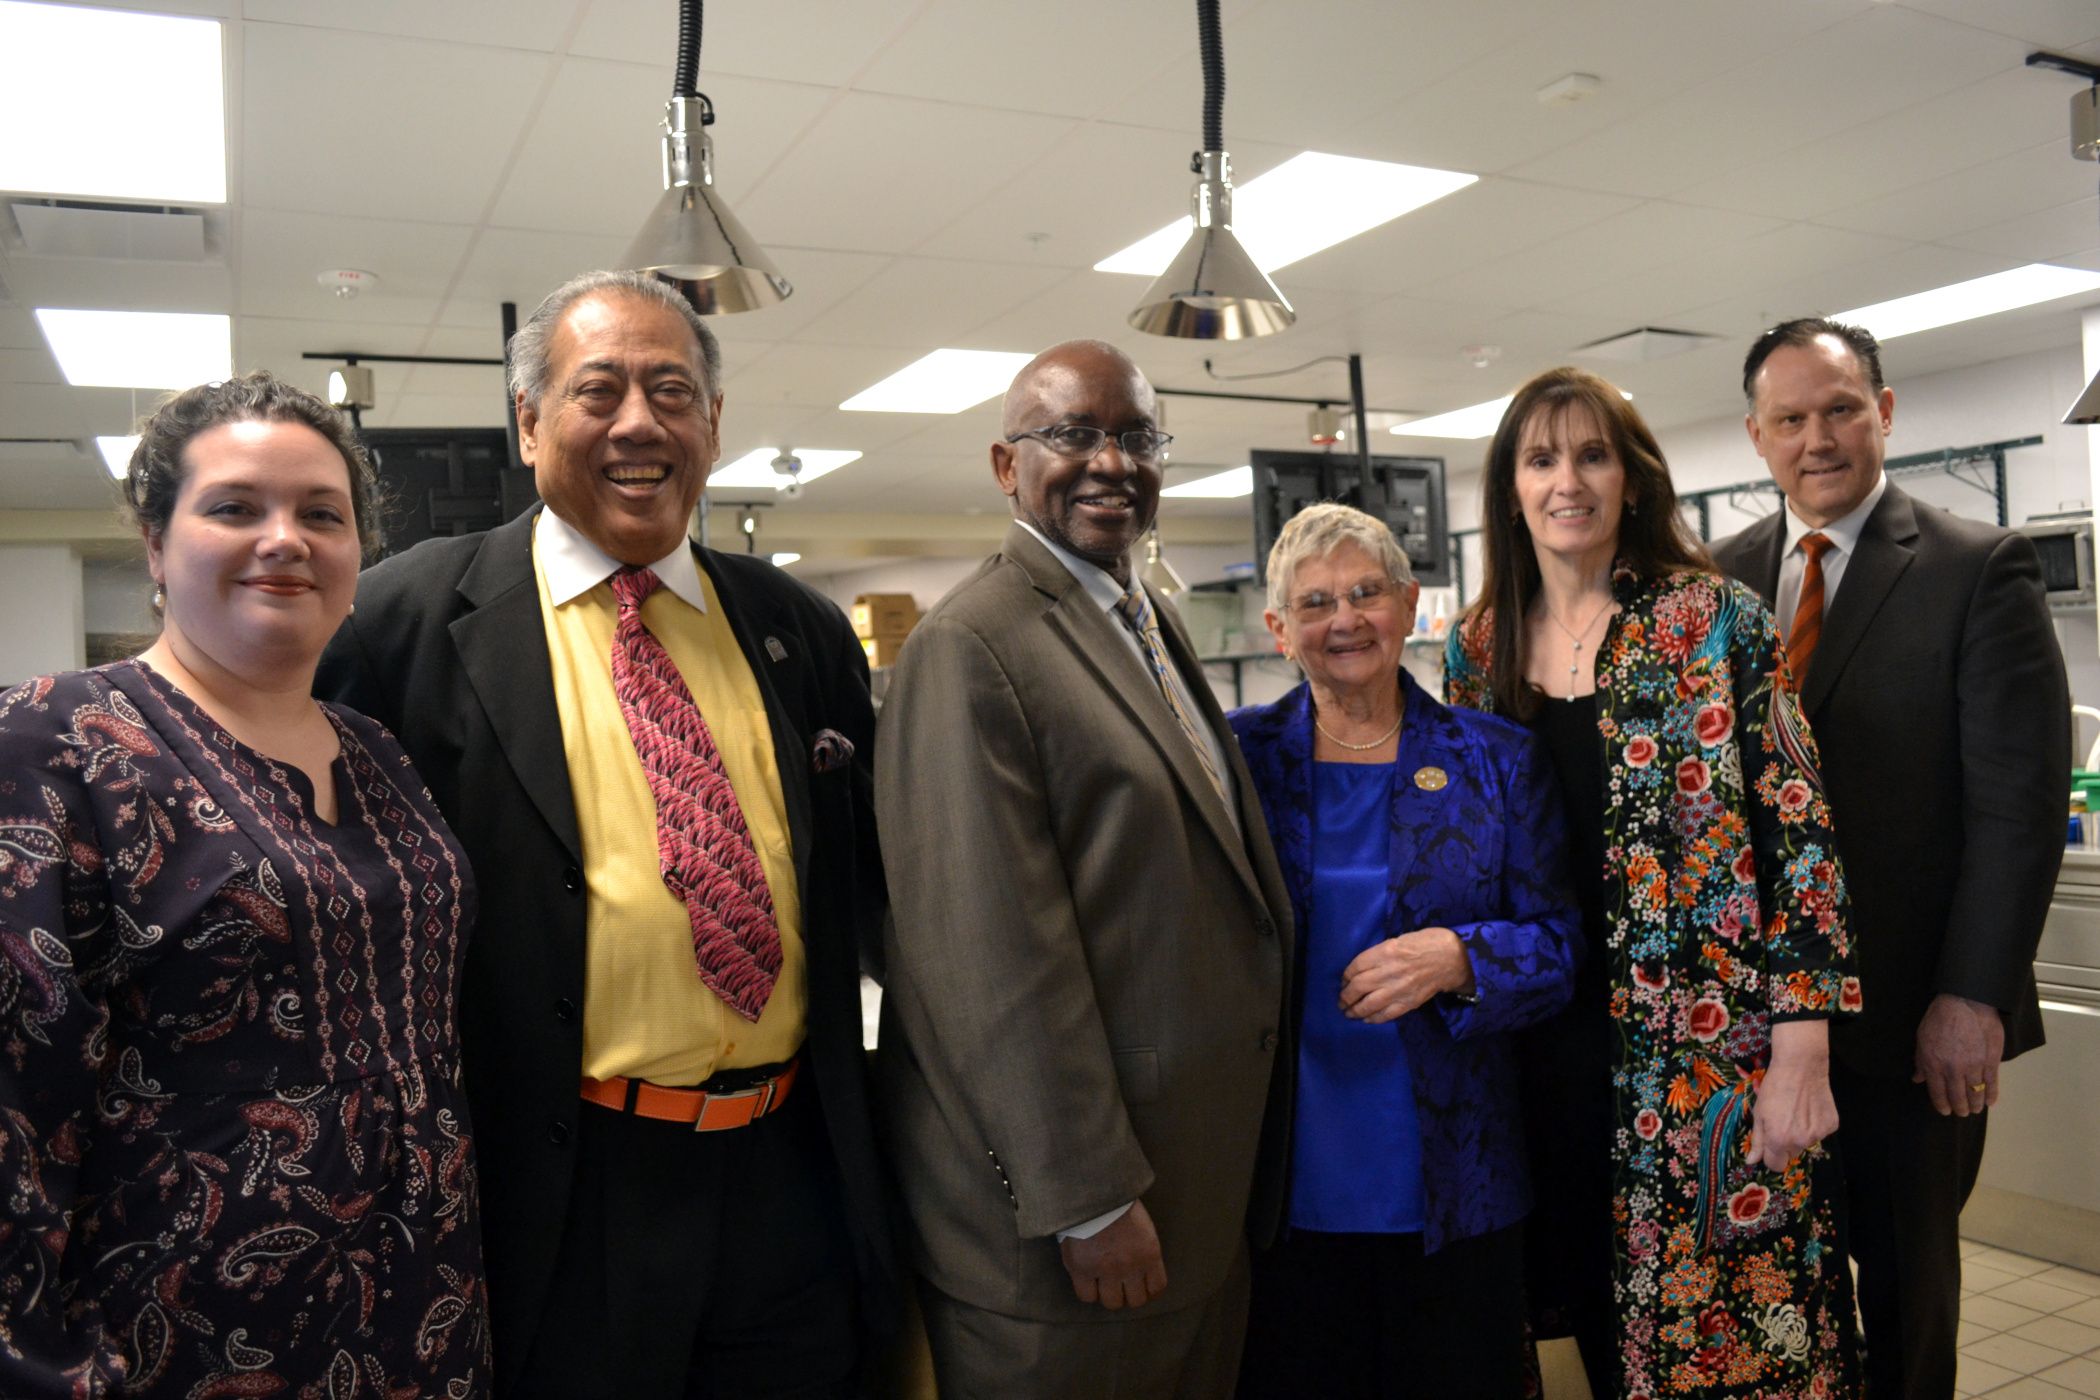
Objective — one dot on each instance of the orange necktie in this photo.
(1801, 638)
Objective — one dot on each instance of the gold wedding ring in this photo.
(1978, 1088)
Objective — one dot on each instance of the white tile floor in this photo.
(2030, 1330)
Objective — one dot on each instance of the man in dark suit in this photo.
(657, 758)
(1080, 1044)
(1928, 668)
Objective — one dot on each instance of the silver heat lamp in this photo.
(1212, 290)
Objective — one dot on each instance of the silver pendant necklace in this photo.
(1575, 641)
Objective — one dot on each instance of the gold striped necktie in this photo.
(1807, 629)
(1136, 609)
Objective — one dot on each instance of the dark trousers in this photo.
(1908, 1172)
(700, 1266)
(1371, 1317)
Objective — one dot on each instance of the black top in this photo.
(1568, 730)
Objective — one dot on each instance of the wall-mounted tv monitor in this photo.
(1407, 493)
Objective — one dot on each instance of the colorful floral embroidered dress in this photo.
(1726, 910)
(233, 1142)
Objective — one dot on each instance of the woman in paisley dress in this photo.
(232, 1135)
(1676, 1109)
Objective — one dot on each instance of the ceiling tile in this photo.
(516, 24)
(809, 41)
(921, 301)
(850, 181)
(593, 162)
(282, 253)
(342, 123)
(1885, 59)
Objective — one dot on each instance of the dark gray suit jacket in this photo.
(1085, 986)
(1938, 699)
(448, 650)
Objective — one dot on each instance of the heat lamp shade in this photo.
(1213, 291)
(692, 239)
(2087, 409)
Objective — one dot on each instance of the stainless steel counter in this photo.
(2039, 1191)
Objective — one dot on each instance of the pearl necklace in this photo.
(1359, 748)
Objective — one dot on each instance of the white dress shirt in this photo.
(574, 565)
(1843, 534)
(1102, 587)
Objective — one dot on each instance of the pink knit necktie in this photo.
(702, 843)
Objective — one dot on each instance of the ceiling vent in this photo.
(70, 229)
(1645, 343)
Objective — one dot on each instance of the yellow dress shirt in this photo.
(646, 1013)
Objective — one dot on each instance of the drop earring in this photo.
(160, 599)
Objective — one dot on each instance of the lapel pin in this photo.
(1431, 779)
(775, 650)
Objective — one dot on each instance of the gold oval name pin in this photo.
(1431, 779)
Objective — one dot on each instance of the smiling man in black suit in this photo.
(1927, 665)
(657, 758)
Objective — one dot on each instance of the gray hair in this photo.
(527, 372)
(1319, 530)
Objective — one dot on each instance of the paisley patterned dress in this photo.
(233, 1140)
(1725, 910)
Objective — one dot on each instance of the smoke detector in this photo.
(347, 282)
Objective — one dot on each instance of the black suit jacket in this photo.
(448, 650)
(1938, 699)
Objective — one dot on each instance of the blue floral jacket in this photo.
(1485, 856)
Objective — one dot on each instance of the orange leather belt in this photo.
(708, 1112)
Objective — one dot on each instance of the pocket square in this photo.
(830, 750)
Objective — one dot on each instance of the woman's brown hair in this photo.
(1653, 538)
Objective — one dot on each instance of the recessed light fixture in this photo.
(754, 470)
(946, 381)
(139, 349)
(116, 454)
(1965, 301)
(1311, 201)
(122, 105)
(1239, 481)
(1479, 421)
(785, 558)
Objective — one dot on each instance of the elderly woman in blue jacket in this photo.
(1424, 852)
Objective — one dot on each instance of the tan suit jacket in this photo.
(1086, 975)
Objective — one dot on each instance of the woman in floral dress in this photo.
(233, 1140)
(1676, 1110)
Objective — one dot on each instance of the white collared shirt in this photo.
(574, 565)
(1843, 534)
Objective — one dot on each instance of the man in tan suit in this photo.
(1086, 976)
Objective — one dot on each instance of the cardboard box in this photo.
(882, 651)
(891, 615)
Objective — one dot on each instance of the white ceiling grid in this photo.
(946, 172)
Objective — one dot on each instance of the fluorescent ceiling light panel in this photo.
(782, 560)
(1965, 301)
(754, 470)
(1479, 421)
(946, 381)
(1311, 201)
(116, 454)
(1237, 482)
(111, 104)
(139, 349)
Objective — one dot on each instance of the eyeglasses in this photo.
(1076, 440)
(1372, 595)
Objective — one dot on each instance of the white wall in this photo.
(43, 613)
(119, 594)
